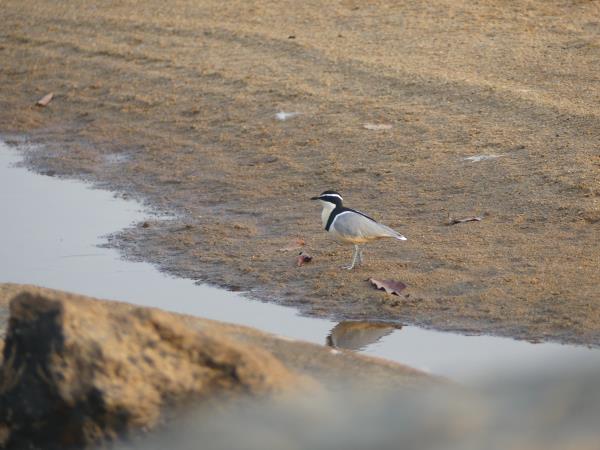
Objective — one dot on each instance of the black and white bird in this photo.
(349, 226)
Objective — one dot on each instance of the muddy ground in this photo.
(175, 102)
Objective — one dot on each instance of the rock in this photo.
(78, 372)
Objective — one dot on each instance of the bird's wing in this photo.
(352, 225)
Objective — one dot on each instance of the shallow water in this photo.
(50, 234)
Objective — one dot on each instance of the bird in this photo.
(349, 226)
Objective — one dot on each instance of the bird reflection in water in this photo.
(358, 335)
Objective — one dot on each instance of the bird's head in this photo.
(329, 198)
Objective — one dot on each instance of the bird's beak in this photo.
(314, 198)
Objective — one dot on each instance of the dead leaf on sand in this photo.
(377, 126)
(45, 99)
(453, 221)
(293, 245)
(302, 259)
(389, 286)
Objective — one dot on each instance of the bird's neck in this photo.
(327, 210)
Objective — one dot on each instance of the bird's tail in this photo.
(392, 233)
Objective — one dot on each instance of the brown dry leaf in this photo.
(302, 259)
(377, 127)
(389, 286)
(293, 245)
(45, 99)
(452, 221)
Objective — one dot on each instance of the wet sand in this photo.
(175, 104)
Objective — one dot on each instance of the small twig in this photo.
(453, 221)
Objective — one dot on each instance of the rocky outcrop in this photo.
(78, 371)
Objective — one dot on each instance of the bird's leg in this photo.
(354, 258)
(360, 256)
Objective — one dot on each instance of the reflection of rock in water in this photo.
(357, 335)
